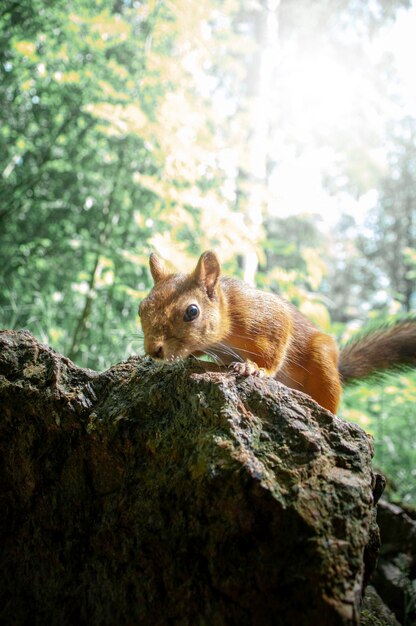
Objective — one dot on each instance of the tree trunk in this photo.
(260, 82)
(168, 494)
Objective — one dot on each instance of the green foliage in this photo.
(387, 413)
(392, 244)
(104, 156)
(294, 266)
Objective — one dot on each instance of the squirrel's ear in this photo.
(207, 272)
(157, 268)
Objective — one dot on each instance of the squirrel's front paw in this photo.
(247, 368)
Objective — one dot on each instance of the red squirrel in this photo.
(260, 333)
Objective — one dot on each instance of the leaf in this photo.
(27, 49)
(315, 267)
(122, 119)
(317, 313)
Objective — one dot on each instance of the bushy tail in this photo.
(392, 346)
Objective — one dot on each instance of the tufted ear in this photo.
(157, 268)
(207, 272)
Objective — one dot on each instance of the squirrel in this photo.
(259, 333)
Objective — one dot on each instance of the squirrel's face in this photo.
(182, 314)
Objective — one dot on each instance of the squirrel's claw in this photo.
(247, 368)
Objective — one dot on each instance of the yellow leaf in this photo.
(135, 294)
(317, 312)
(70, 77)
(159, 187)
(27, 48)
(282, 277)
(316, 268)
(21, 144)
(55, 334)
(63, 54)
(118, 69)
(136, 259)
(110, 92)
(356, 416)
(28, 84)
(123, 119)
(110, 27)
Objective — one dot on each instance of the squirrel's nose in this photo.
(157, 352)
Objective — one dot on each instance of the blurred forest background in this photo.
(281, 134)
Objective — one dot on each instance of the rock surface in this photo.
(167, 494)
(374, 612)
(395, 576)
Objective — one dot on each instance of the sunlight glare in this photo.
(325, 95)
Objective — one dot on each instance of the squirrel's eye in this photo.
(191, 313)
